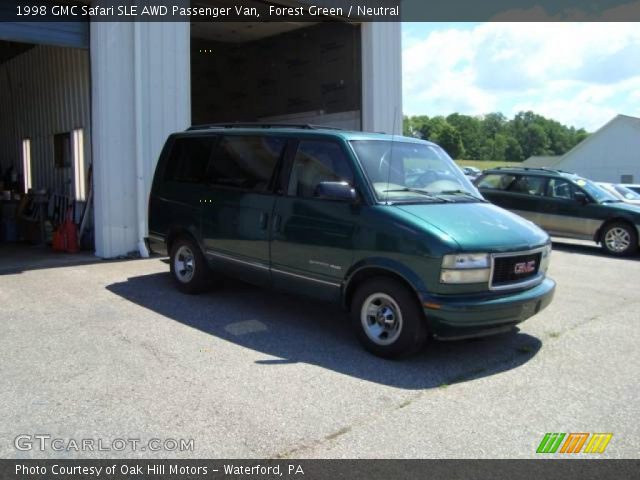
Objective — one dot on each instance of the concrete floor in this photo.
(107, 350)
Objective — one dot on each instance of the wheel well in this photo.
(609, 222)
(174, 234)
(365, 274)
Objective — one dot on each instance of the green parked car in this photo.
(387, 226)
(565, 205)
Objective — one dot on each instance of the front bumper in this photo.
(455, 317)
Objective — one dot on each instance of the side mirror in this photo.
(335, 191)
(581, 198)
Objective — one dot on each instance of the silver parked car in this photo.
(632, 186)
(621, 192)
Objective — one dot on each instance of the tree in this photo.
(535, 141)
(494, 137)
(494, 124)
(449, 138)
(470, 129)
(513, 151)
(407, 123)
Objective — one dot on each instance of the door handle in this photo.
(264, 217)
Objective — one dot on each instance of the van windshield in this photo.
(405, 171)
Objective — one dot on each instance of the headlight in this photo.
(465, 268)
(546, 256)
(480, 275)
(466, 260)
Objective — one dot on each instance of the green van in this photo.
(388, 226)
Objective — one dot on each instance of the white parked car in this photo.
(622, 192)
(631, 186)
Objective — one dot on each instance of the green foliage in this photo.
(450, 139)
(494, 137)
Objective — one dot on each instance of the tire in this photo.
(189, 268)
(619, 239)
(395, 325)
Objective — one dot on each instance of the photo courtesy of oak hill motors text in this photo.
(291, 470)
(361, 11)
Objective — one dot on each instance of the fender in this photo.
(616, 217)
(390, 265)
(191, 229)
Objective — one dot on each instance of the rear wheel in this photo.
(189, 268)
(619, 239)
(388, 319)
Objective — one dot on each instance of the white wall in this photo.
(608, 154)
(141, 93)
(382, 77)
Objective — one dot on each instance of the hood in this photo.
(479, 226)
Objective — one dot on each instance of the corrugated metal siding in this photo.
(381, 77)
(43, 92)
(62, 34)
(163, 97)
(347, 120)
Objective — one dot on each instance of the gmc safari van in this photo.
(387, 226)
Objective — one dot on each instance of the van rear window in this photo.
(188, 160)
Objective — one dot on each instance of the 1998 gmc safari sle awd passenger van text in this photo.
(386, 225)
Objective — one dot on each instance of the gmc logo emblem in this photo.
(525, 267)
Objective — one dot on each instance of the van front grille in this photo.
(515, 269)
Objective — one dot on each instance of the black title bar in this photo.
(318, 10)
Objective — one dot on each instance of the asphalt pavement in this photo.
(108, 350)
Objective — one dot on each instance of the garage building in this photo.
(80, 101)
(611, 154)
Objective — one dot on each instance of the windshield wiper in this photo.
(610, 201)
(419, 191)
(462, 192)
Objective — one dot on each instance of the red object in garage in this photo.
(65, 238)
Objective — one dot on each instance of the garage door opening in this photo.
(276, 72)
(45, 144)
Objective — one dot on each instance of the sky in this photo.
(581, 74)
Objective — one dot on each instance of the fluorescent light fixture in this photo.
(26, 163)
(78, 164)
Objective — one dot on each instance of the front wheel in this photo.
(388, 319)
(619, 239)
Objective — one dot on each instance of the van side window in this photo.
(188, 160)
(245, 162)
(496, 181)
(317, 161)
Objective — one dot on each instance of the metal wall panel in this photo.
(141, 93)
(43, 92)
(382, 77)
